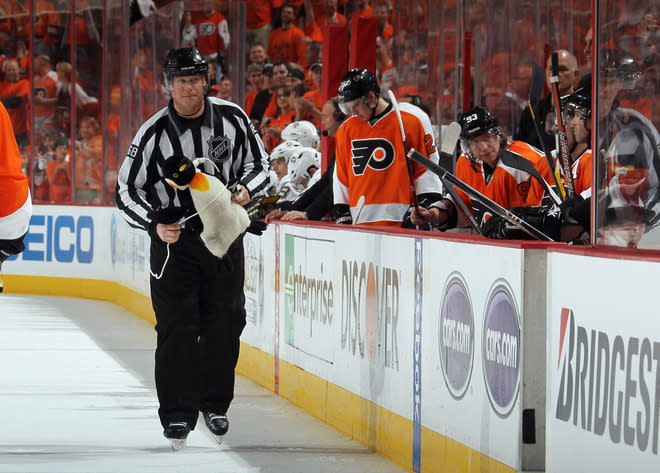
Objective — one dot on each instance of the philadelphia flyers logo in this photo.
(376, 153)
(206, 29)
(523, 188)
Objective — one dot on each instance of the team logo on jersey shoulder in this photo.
(376, 153)
(219, 149)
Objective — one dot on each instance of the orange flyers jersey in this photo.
(212, 33)
(582, 173)
(286, 45)
(371, 162)
(45, 87)
(539, 161)
(13, 183)
(19, 114)
(507, 185)
(258, 12)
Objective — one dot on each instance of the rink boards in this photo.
(432, 351)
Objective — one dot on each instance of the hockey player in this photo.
(578, 126)
(304, 132)
(304, 169)
(279, 166)
(316, 202)
(15, 201)
(490, 167)
(198, 300)
(371, 157)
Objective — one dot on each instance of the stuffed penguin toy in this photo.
(223, 219)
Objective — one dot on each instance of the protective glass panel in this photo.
(628, 157)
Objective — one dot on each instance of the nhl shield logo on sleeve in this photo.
(219, 149)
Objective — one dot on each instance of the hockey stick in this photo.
(489, 204)
(452, 136)
(562, 148)
(358, 209)
(535, 91)
(395, 105)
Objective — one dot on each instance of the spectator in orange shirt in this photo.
(263, 97)
(280, 73)
(23, 57)
(44, 96)
(286, 42)
(256, 80)
(14, 94)
(360, 8)
(259, 19)
(311, 104)
(59, 174)
(212, 36)
(89, 162)
(285, 113)
(330, 16)
(382, 14)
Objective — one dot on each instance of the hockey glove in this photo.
(341, 213)
(545, 219)
(167, 216)
(257, 227)
(254, 208)
(577, 211)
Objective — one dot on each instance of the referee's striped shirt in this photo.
(223, 133)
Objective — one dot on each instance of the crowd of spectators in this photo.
(284, 69)
(40, 92)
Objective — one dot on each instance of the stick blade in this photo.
(536, 87)
(358, 210)
(450, 139)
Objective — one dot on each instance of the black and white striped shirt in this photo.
(223, 133)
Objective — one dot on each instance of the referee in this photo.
(197, 298)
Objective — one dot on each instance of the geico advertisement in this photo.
(65, 241)
(471, 360)
(604, 367)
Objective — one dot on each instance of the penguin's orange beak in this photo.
(200, 182)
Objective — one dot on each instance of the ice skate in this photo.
(218, 424)
(177, 433)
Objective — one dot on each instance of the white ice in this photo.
(77, 395)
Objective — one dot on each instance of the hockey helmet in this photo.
(285, 150)
(302, 162)
(304, 132)
(184, 62)
(356, 84)
(578, 101)
(619, 64)
(477, 122)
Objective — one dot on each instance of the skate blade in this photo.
(178, 444)
(219, 438)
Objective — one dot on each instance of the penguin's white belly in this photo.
(223, 219)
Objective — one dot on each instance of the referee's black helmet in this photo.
(184, 62)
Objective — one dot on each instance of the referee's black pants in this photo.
(200, 314)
